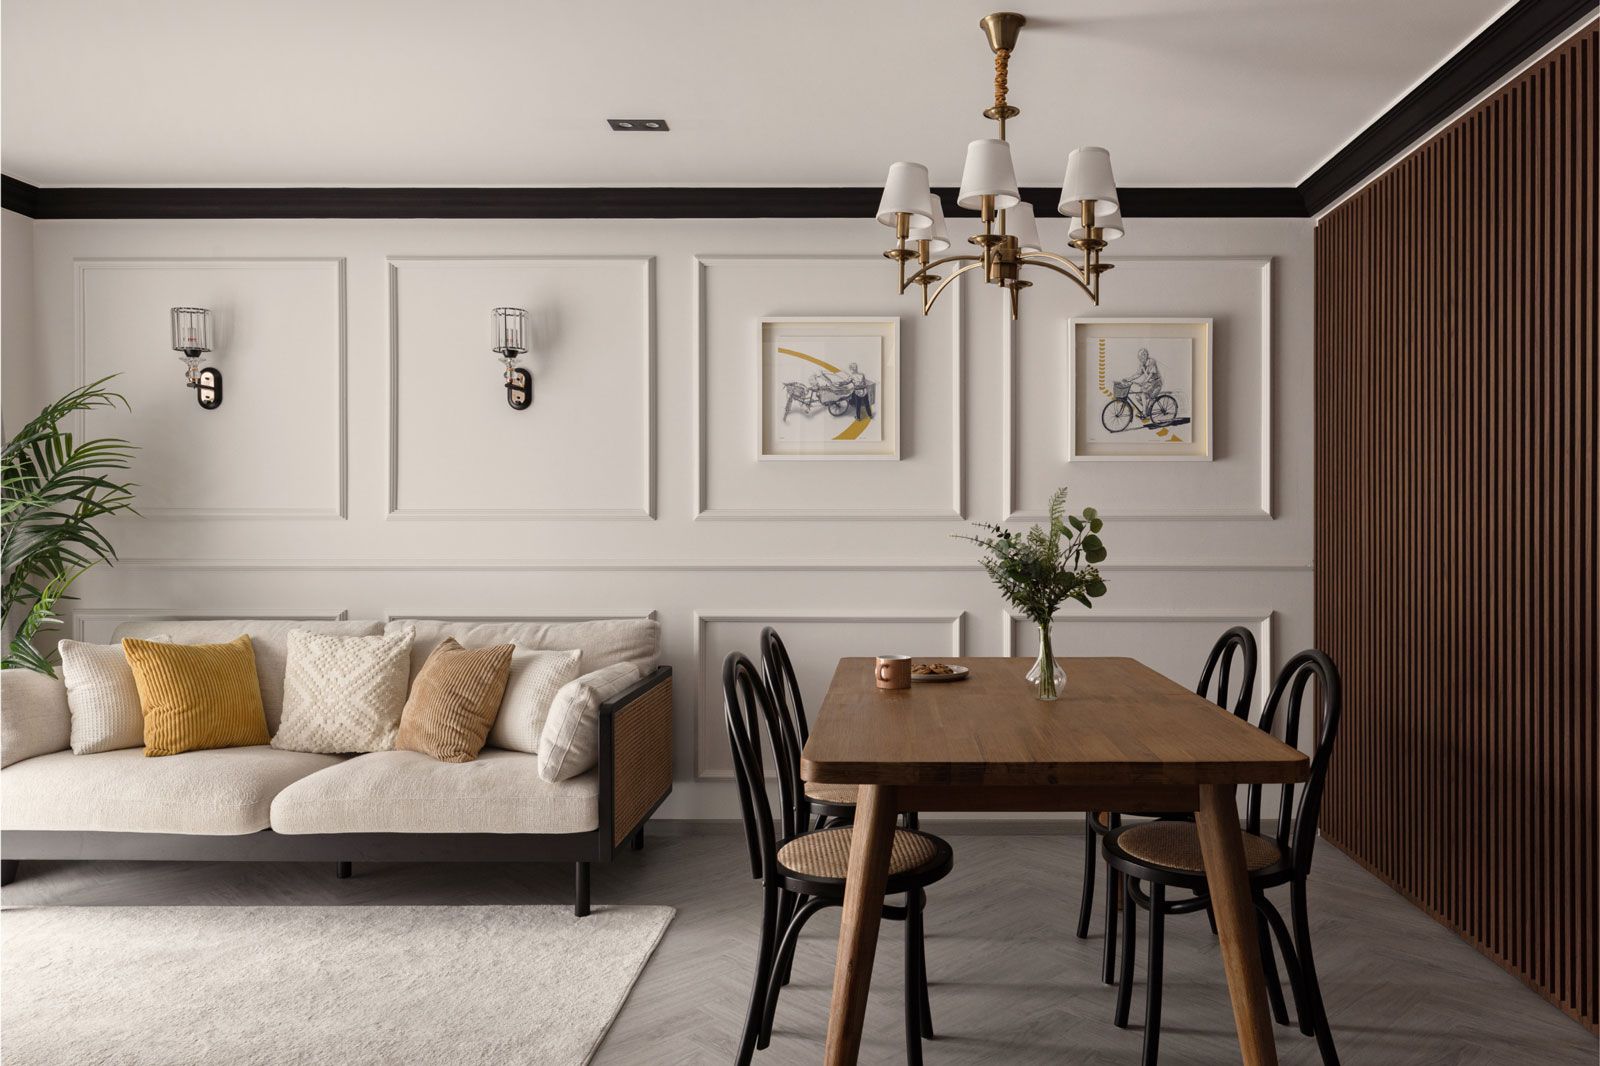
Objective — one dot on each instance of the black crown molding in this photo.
(1516, 35)
(1500, 48)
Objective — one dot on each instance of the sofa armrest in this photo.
(636, 751)
(34, 719)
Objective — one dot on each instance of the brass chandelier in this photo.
(1010, 237)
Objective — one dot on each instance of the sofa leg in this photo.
(342, 870)
(580, 901)
(8, 870)
(636, 842)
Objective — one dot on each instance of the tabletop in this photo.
(1117, 722)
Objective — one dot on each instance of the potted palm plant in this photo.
(1039, 570)
(56, 488)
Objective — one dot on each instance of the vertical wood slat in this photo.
(1458, 497)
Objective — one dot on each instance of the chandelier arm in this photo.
(915, 279)
(1070, 271)
(929, 298)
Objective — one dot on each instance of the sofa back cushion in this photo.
(269, 637)
(602, 642)
(34, 719)
(197, 696)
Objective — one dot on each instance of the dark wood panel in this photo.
(595, 202)
(1457, 501)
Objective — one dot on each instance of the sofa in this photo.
(260, 803)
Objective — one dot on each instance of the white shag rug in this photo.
(316, 986)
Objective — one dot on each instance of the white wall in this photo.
(365, 461)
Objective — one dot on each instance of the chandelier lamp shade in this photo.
(1010, 238)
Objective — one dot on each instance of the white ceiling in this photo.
(758, 92)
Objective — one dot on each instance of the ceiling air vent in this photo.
(638, 125)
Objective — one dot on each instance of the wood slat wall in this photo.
(1456, 579)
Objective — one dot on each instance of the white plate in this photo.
(961, 674)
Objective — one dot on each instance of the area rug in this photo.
(308, 986)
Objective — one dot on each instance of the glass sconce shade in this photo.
(989, 173)
(191, 329)
(1088, 177)
(933, 232)
(1021, 224)
(510, 331)
(1109, 225)
(905, 191)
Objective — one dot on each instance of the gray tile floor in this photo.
(1010, 983)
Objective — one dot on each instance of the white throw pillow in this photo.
(102, 697)
(343, 694)
(570, 743)
(536, 678)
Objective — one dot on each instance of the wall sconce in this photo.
(510, 340)
(191, 335)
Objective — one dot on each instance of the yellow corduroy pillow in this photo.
(196, 696)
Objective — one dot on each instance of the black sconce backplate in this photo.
(519, 388)
(208, 388)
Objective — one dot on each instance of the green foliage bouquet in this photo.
(1039, 570)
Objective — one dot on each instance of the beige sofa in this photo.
(263, 804)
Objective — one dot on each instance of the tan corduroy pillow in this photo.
(197, 696)
(454, 700)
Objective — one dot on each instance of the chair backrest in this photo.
(782, 686)
(748, 708)
(1237, 643)
(1297, 826)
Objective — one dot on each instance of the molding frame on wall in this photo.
(1008, 418)
(703, 675)
(341, 510)
(957, 509)
(1009, 621)
(456, 614)
(647, 508)
(161, 614)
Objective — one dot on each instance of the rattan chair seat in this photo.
(826, 853)
(1176, 846)
(839, 794)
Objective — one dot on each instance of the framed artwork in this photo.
(829, 388)
(1139, 388)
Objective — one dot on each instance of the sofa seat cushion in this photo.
(409, 792)
(222, 791)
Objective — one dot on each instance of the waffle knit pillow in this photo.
(102, 698)
(197, 696)
(570, 743)
(343, 694)
(536, 677)
(454, 700)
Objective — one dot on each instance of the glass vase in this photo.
(1047, 677)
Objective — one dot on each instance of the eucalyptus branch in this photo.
(1038, 570)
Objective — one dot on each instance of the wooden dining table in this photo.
(1122, 737)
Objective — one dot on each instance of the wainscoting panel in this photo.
(276, 446)
(732, 295)
(1457, 474)
(459, 451)
(1237, 294)
(816, 642)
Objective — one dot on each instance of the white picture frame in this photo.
(1106, 355)
(810, 403)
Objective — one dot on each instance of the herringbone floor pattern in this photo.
(1009, 983)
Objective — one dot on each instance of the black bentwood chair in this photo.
(804, 872)
(830, 805)
(1237, 643)
(1166, 854)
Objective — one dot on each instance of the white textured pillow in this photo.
(343, 694)
(536, 678)
(102, 697)
(570, 743)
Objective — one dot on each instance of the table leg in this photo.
(1222, 846)
(865, 879)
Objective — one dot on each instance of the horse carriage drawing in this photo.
(824, 391)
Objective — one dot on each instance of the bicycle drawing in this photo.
(1128, 403)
